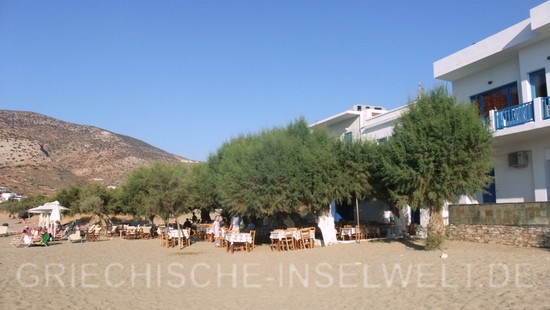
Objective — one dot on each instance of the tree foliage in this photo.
(439, 151)
(15, 206)
(92, 199)
(161, 189)
(283, 170)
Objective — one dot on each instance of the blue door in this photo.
(490, 194)
(538, 84)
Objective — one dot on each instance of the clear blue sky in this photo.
(187, 76)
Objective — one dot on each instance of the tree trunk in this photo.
(436, 222)
(326, 224)
(436, 229)
(179, 233)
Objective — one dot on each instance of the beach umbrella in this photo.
(50, 212)
(48, 207)
(56, 213)
(41, 219)
(55, 217)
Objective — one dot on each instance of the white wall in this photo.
(501, 75)
(531, 59)
(339, 129)
(513, 184)
(382, 126)
(528, 184)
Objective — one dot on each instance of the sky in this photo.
(188, 76)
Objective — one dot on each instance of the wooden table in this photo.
(241, 241)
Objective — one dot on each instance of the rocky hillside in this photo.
(39, 154)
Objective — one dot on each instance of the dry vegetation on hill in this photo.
(39, 154)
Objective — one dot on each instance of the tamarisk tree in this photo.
(439, 150)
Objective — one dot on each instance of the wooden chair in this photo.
(276, 243)
(223, 233)
(312, 236)
(93, 234)
(182, 239)
(358, 233)
(170, 242)
(139, 233)
(111, 231)
(288, 240)
(130, 233)
(163, 238)
(306, 240)
(146, 232)
(252, 245)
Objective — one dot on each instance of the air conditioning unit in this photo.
(518, 159)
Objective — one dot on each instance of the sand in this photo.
(394, 274)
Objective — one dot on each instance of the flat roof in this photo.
(349, 114)
(497, 48)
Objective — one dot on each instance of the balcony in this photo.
(535, 112)
(513, 116)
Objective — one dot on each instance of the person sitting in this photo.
(187, 224)
(36, 234)
(25, 237)
(235, 224)
(392, 218)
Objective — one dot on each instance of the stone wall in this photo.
(519, 224)
(535, 236)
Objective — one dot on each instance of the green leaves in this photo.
(439, 151)
(292, 169)
(160, 189)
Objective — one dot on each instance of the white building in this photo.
(505, 76)
(348, 124)
(372, 123)
(7, 196)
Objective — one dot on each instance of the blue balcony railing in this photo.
(545, 107)
(513, 116)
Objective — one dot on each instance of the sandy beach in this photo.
(394, 274)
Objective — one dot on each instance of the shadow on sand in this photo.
(410, 243)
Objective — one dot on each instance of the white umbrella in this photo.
(56, 213)
(48, 208)
(54, 218)
(41, 220)
(53, 209)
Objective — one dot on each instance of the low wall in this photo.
(519, 224)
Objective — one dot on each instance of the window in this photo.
(348, 136)
(496, 99)
(538, 84)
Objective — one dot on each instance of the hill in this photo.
(40, 154)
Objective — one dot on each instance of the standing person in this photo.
(217, 231)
